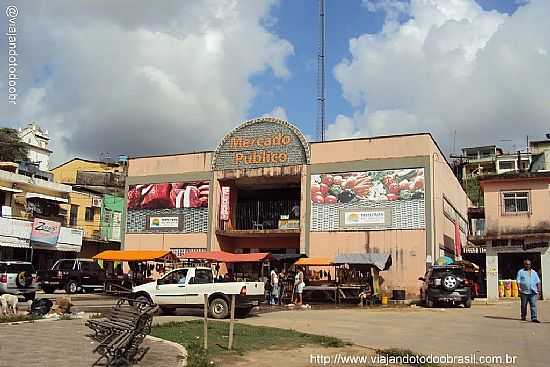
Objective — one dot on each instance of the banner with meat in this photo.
(352, 187)
(169, 195)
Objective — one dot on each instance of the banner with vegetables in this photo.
(353, 187)
(169, 195)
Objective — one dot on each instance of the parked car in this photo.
(18, 278)
(186, 287)
(446, 284)
(72, 275)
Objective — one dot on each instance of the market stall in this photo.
(358, 275)
(142, 266)
(320, 283)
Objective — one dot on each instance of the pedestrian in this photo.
(274, 287)
(299, 286)
(528, 283)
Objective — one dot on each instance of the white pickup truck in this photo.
(186, 287)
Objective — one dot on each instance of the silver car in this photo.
(18, 278)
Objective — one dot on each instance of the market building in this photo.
(266, 189)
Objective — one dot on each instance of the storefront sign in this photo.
(474, 250)
(365, 218)
(179, 252)
(264, 142)
(224, 207)
(155, 222)
(45, 231)
(115, 227)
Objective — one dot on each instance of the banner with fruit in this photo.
(353, 187)
(169, 195)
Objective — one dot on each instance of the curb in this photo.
(182, 351)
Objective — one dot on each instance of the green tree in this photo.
(12, 149)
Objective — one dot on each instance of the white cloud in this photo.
(451, 66)
(158, 77)
(278, 112)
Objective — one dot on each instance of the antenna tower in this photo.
(321, 74)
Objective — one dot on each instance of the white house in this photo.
(37, 141)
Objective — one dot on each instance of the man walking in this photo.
(528, 282)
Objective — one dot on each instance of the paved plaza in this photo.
(64, 343)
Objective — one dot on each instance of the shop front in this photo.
(265, 189)
(505, 258)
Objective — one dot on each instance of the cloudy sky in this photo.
(144, 77)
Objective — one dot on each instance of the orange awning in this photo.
(314, 261)
(135, 255)
(227, 257)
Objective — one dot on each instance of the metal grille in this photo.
(195, 220)
(408, 214)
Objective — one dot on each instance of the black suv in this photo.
(445, 284)
(72, 275)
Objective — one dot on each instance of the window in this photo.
(506, 165)
(516, 202)
(74, 215)
(89, 266)
(175, 277)
(203, 276)
(64, 265)
(89, 216)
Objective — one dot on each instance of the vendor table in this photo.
(336, 293)
(330, 292)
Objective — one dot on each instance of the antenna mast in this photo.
(321, 74)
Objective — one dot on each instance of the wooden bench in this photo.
(121, 333)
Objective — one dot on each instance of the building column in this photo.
(545, 270)
(492, 273)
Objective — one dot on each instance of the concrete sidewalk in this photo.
(64, 344)
(483, 329)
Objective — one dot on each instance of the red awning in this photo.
(227, 257)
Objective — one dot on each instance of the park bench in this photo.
(120, 334)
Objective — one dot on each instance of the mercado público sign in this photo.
(386, 199)
(262, 142)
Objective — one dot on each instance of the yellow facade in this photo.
(83, 200)
(80, 200)
(66, 173)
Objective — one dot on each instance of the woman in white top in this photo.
(274, 288)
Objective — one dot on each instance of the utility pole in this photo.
(321, 74)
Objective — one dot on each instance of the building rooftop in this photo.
(515, 175)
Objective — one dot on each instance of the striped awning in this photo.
(14, 242)
(9, 189)
(32, 195)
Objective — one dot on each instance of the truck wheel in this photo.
(48, 290)
(468, 303)
(71, 287)
(219, 309)
(242, 312)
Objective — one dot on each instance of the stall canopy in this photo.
(35, 195)
(136, 255)
(227, 257)
(380, 260)
(314, 261)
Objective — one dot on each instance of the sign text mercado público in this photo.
(263, 154)
(263, 142)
